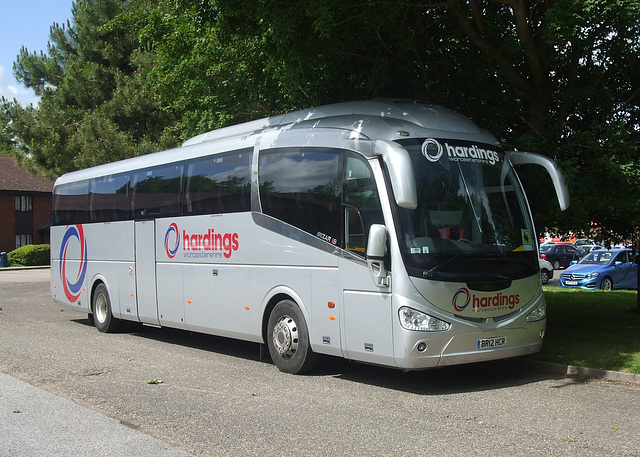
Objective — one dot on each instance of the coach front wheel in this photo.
(102, 316)
(288, 339)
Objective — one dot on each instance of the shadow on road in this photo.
(474, 377)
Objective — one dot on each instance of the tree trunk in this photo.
(636, 251)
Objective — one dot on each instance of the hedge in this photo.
(29, 255)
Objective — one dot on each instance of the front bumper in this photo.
(592, 283)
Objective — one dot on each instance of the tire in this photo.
(606, 284)
(544, 276)
(556, 264)
(102, 315)
(288, 339)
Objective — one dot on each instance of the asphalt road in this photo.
(218, 398)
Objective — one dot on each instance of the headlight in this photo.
(538, 313)
(592, 275)
(412, 319)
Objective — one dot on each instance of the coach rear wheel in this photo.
(288, 339)
(102, 316)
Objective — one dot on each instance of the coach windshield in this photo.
(472, 221)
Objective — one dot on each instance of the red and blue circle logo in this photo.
(74, 235)
(461, 299)
(172, 240)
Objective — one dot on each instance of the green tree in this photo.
(221, 62)
(95, 105)
(557, 77)
(6, 141)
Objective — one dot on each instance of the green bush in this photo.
(29, 255)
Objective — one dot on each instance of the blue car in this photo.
(603, 269)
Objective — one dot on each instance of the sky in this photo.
(26, 23)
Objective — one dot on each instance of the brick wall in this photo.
(41, 214)
(7, 223)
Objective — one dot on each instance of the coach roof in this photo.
(385, 119)
(382, 118)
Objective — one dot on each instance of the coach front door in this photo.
(368, 316)
(146, 272)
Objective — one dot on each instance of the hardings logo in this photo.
(73, 235)
(463, 298)
(433, 150)
(200, 245)
(172, 240)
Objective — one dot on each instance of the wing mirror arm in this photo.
(376, 247)
(559, 183)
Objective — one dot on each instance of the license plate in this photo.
(571, 283)
(488, 343)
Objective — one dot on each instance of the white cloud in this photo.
(10, 89)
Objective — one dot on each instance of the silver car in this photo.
(546, 271)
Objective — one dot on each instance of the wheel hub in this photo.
(285, 337)
(101, 308)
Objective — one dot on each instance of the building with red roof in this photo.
(25, 206)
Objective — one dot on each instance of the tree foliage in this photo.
(557, 77)
(95, 105)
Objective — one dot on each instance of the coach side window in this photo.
(301, 186)
(109, 198)
(219, 183)
(70, 203)
(157, 192)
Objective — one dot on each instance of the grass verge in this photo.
(592, 328)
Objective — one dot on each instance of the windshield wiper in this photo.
(431, 273)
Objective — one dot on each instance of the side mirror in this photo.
(376, 246)
(573, 262)
(398, 162)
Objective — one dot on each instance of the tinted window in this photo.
(157, 192)
(219, 184)
(622, 257)
(362, 203)
(109, 198)
(354, 238)
(302, 186)
(70, 203)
